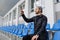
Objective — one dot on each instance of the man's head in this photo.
(38, 10)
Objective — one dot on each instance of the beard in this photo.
(37, 12)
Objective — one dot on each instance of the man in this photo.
(40, 22)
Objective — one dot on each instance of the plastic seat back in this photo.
(57, 35)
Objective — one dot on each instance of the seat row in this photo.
(19, 30)
(22, 29)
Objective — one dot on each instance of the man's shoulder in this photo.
(44, 17)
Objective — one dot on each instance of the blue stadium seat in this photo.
(58, 21)
(19, 33)
(14, 29)
(20, 29)
(19, 25)
(30, 25)
(24, 31)
(56, 35)
(48, 27)
(56, 27)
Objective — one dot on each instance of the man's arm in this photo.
(26, 19)
(43, 26)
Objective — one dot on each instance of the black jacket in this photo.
(40, 23)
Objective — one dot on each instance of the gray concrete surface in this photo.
(4, 37)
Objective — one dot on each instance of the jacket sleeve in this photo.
(26, 19)
(43, 26)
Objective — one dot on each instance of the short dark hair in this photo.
(40, 8)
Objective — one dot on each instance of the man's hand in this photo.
(35, 37)
(22, 12)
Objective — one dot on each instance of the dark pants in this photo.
(28, 37)
(43, 36)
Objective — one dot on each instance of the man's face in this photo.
(37, 10)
